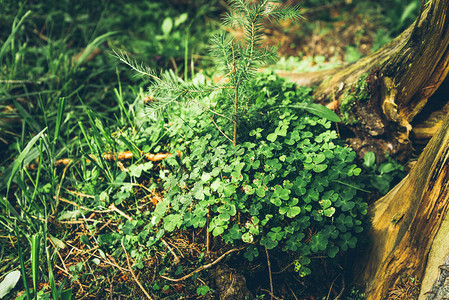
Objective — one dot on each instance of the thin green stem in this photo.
(236, 98)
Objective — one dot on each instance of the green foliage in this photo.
(356, 94)
(202, 290)
(289, 185)
(9, 282)
(355, 295)
(237, 61)
(382, 177)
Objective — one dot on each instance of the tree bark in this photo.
(410, 224)
(406, 222)
(401, 78)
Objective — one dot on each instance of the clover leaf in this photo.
(172, 221)
(251, 253)
(318, 242)
(229, 190)
(347, 240)
(293, 211)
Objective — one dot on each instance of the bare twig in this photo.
(207, 231)
(177, 260)
(271, 294)
(203, 267)
(296, 298)
(342, 288)
(269, 272)
(114, 208)
(134, 275)
(110, 260)
(219, 129)
(283, 270)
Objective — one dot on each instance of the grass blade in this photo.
(91, 47)
(35, 249)
(16, 25)
(318, 110)
(61, 106)
(22, 266)
(19, 160)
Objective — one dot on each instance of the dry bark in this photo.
(406, 223)
(403, 75)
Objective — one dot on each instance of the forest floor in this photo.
(330, 35)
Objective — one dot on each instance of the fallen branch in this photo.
(205, 267)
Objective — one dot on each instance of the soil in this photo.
(326, 31)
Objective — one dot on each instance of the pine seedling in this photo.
(237, 60)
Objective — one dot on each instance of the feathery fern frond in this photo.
(221, 48)
(284, 12)
(139, 68)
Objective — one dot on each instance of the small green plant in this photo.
(237, 61)
(288, 186)
(383, 176)
(202, 290)
(355, 294)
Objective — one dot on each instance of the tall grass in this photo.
(62, 104)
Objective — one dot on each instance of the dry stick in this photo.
(285, 268)
(177, 260)
(269, 272)
(207, 231)
(330, 289)
(176, 247)
(203, 267)
(60, 257)
(296, 298)
(111, 260)
(134, 275)
(104, 225)
(111, 207)
(85, 208)
(114, 208)
(342, 288)
(271, 294)
(111, 289)
(79, 221)
(125, 155)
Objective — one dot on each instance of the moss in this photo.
(355, 94)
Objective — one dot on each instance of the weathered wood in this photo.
(402, 77)
(406, 221)
(426, 129)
